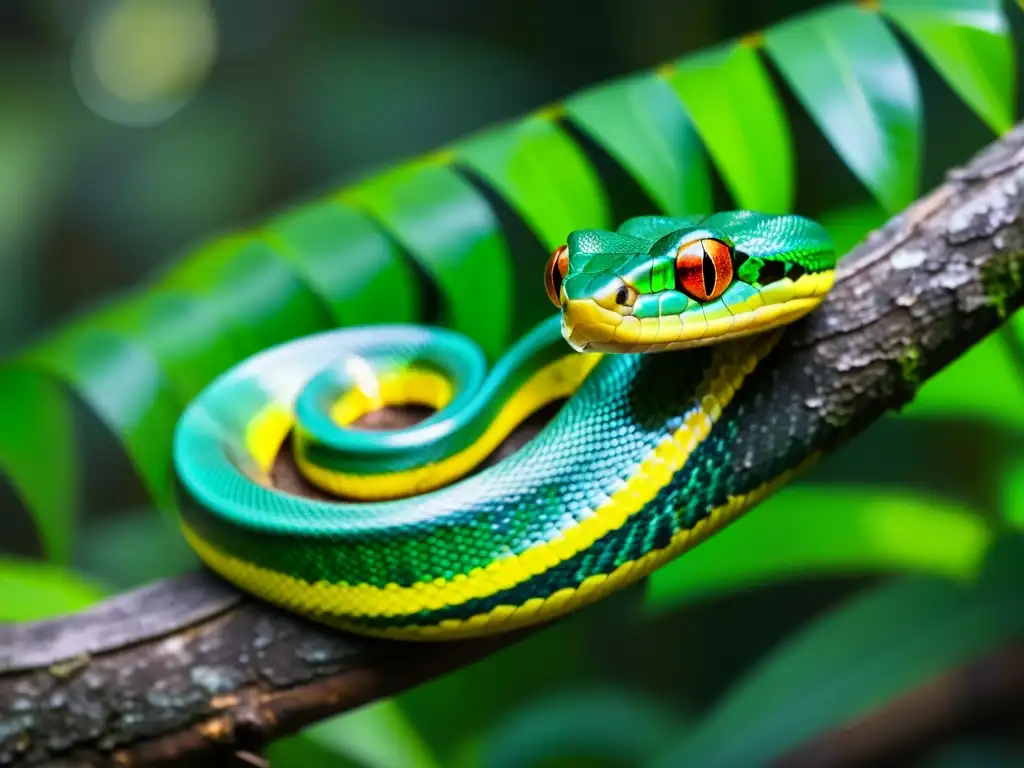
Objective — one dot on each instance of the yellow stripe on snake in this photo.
(639, 464)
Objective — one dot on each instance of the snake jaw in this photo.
(585, 321)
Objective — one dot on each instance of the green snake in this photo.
(416, 541)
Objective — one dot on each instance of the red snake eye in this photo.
(704, 269)
(554, 274)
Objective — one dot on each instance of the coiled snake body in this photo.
(636, 467)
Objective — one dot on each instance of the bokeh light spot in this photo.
(137, 62)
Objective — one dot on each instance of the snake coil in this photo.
(636, 467)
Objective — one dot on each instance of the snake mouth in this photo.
(589, 327)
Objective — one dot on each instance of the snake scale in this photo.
(639, 464)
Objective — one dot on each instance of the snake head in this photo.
(686, 282)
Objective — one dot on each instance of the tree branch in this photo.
(189, 670)
(982, 692)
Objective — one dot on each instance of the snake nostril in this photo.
(622, 300)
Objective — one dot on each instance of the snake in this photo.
(416, 532)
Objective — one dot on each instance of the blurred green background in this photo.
(130, 130)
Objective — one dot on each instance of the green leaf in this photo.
(857, 657)
(850, 225)
(31, 590)
(132, 547)
(348, 261)
(251, 290)
(730, 99)
(610, 726)
(640, 122)
(542, 174)
(826, 529)
(136, 363)
(851, 75)
(486, 693)
(955, 390)
(299, 752)
(123, 383)
(969, 43)
(1011, 489)
(189, 340)
(37, 454)
(375, 736)
(451, 230)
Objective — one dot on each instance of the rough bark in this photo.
(188, 670)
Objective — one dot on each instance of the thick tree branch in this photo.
(189, 670)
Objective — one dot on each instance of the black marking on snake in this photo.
(771, 271)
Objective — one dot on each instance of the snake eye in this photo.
(554, 274)
(704, 269)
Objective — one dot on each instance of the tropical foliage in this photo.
(457, 237)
